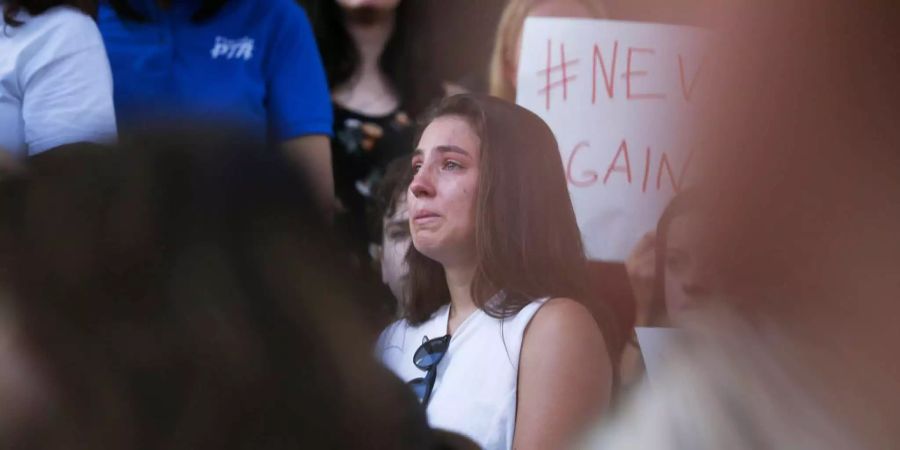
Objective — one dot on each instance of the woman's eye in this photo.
(416, 167)
(452, 165)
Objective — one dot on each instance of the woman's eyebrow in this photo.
(443, 149)
(451, 149)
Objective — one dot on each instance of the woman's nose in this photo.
(421, 185)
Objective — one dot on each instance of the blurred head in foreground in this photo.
(178, 292)
(801, 155)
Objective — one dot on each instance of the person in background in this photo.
(668, 268)
(494, 341)
(393, 222)
(376, 71)
(242, 63)
(670, 274)
(55, 82)
(504, 63)
(168, 293)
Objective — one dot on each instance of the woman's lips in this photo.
(425, 216)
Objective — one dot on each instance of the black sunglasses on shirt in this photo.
(426, 358)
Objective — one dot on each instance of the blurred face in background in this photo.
(688, 279)
(395, 243)
(441, 197)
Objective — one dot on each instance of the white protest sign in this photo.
(620, 98)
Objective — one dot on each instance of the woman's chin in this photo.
(430, 251)
(433, 249)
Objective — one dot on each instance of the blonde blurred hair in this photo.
(508, 31)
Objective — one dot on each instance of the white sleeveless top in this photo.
(475, 390)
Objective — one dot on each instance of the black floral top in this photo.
(361, 150)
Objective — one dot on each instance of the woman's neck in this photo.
(368, 90)
(459, 283)
(370, 38)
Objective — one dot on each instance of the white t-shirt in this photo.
(55, 83)
(475, 389)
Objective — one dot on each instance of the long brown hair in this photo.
(527, 241)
